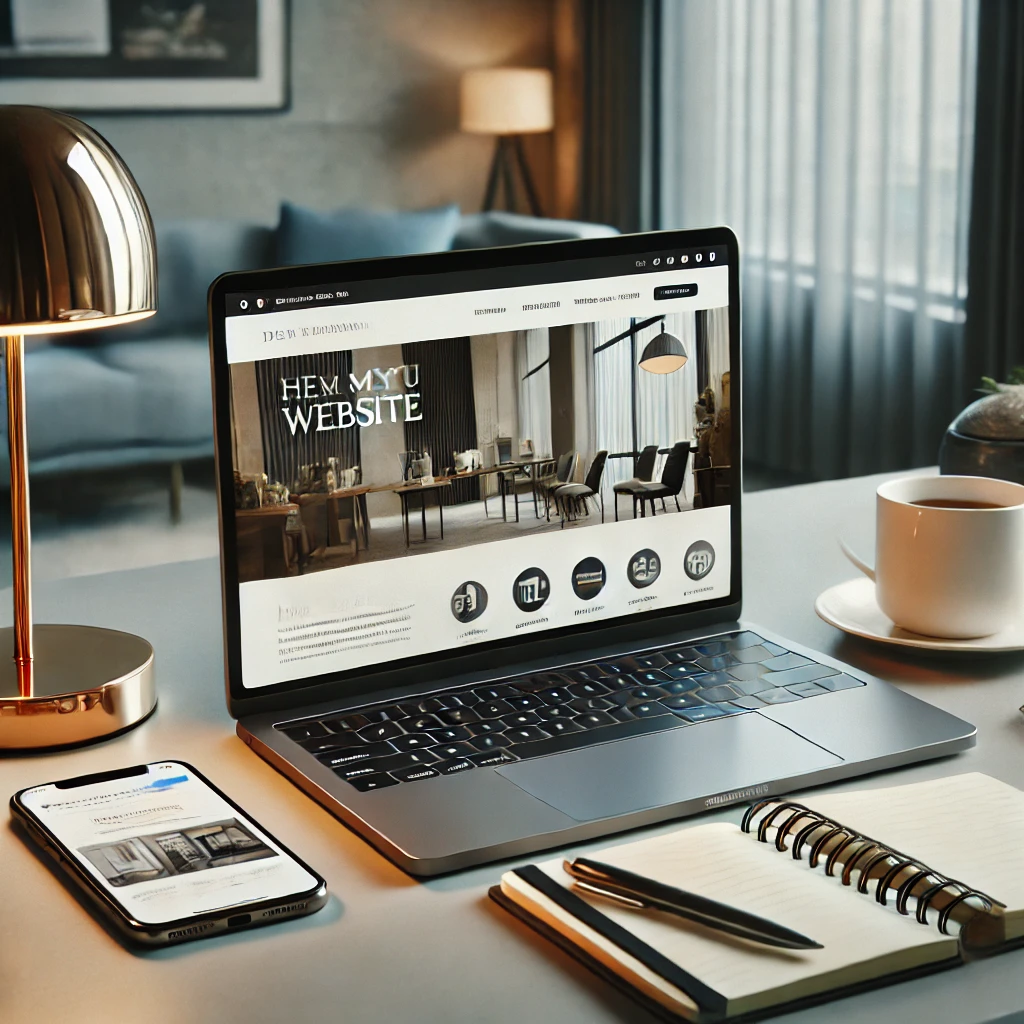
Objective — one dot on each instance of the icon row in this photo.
(532, 587)
(670, 261)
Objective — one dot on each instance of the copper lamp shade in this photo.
(76, 251)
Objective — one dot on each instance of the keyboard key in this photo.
(353, 723)
(416, 741)
(355, 770)
(840, 682)
(396, 712)
(680, 685)
(525, 702)
(527, 734)
(614, 668)
(448, 751)
(618, 682)
(337, 725)
(651, 677)
(492, 758)
(497, 692)
(540, 681)
(682, 702)
(368, 783)
(584, 704)
(416, 773)
(638, 695)
(806, 689)
(807, 674)
(712, 678)
(561, 727)
(617, 731)
(349, 755)
(558, 713)
(779, 695)
(444, 703)
(754, 686)
(714, 663)
(589, 689)
(747, 672)
(309, 731)
(481, 728)
(682, 671)
(595, 720)
(379, 715)
(715, 694)
(554, 695)
(713, 647)
(331, 742)
(461, 764)
(682, 654)
(704, 713)
(463, 716)
(774, 649)
(382, 731)
(752, 655)
(651, 710)
(451, 733)
(744, 640)
(519, 720)
(584, 673)
(421, 723)
(652, 661)
(396, 762)
(749, 703)
(484, 710)
(493, 742)
(786, 661)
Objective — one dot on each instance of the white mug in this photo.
(949, 572)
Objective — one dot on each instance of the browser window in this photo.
(427, 463)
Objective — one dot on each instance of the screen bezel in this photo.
(421, 670)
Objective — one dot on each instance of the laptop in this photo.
(480, 536)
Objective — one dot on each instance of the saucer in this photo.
(851, 607)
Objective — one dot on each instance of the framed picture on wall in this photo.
(127, 55)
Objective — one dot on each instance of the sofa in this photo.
(140, 394)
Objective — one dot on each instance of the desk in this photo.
(386, 947)
(405, 493)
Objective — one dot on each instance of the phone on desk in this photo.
(164, 855)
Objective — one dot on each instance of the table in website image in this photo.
(568, 420)
(550, 712)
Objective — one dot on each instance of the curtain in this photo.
(449, 410)
(835, 138)
(995, 303)
(283, 451)
(618, 165)
(533, 385)
(663, 402)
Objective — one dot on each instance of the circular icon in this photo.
(656, 262)
(698, 560)
(670, 260)
(644, 568)
(697, 257)
(243, 304)
(684, 259)
(588, 578)
(469, 601)
(260, 303)
(531, 589)
(711, 255)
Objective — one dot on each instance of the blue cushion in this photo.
(308, 236)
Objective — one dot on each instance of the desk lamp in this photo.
(508, 103)
(76, 252)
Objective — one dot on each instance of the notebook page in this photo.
(861, 939)
(969, 827)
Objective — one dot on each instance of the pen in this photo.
(647, 894)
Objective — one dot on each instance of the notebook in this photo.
(944, 855)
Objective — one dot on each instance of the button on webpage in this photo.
(675, 291)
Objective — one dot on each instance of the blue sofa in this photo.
(140, 394)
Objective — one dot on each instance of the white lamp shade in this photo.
(507, 101)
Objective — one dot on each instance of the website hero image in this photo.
(415, 475)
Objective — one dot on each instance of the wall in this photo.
(373, 117)
(380, 444)
(494, 396)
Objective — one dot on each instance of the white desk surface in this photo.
(388, 948)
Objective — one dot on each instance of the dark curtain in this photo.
(994, 329)
(284, 453)
(619, 163)
(449, 411)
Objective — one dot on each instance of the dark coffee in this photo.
(955, 503)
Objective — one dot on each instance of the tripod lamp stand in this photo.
(508, 103)
(76, 252)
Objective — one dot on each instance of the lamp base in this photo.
(88, 683)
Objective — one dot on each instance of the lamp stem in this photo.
(21, 539)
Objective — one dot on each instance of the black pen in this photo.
(645, 893)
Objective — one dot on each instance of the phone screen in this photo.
(165, 845)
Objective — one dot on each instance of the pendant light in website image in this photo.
(664, 353)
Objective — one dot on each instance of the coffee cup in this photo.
(949, 554)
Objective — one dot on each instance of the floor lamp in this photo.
(508, 103)
(76, 252)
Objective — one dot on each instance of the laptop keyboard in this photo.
(550, 712)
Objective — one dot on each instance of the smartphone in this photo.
(164, 855)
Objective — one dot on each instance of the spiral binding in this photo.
(819, 831)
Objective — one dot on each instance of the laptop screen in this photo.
(422, 463)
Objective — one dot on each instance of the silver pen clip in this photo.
(605, 894)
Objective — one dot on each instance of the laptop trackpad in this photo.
(669, 767)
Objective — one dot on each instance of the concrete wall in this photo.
(373, 117)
